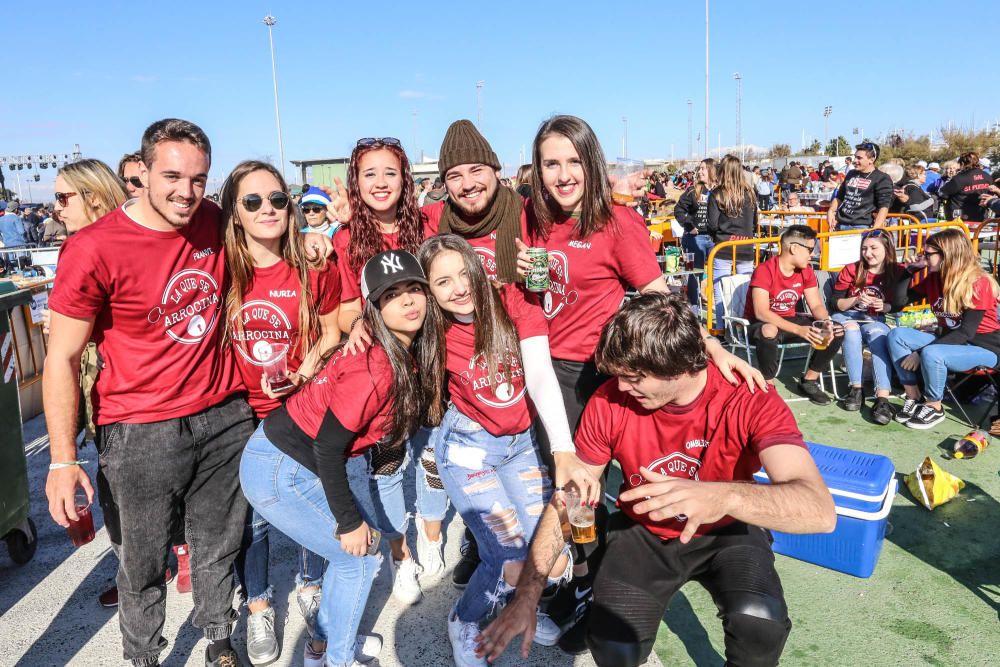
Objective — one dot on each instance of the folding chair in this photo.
(963, 377)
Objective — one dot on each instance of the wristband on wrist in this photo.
(67, 464)
(356, 319)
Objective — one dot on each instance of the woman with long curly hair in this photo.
(385, 216)
(963, 297)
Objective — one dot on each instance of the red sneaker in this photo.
(183, 568)
(109, 598)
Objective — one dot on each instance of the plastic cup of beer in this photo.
(81, 531)
(626, 176)
(276, 365)
(689, 261)
(581, 519)
(825, 329)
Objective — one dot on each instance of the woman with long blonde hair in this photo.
(963, 297)
(732, 216)
(86, 190)
(277, 304)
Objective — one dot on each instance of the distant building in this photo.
(323, 171)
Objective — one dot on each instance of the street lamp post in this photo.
(625, 138)
(706, 79)
(739, 111)
(269, 21)
(827, 110)
(690, 130)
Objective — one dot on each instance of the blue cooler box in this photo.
(863, 487)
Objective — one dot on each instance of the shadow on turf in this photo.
(966, 549)
(684, 623)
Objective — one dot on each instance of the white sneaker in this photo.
(463, 642)
(546, 631)
(430, 554)
(262, 644)
(367, 648)
(405, 586)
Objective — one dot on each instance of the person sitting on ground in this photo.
(776, 287)
(963, 297)
(688, 444)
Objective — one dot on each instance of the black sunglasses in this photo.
(252, 203)
(367, 142)
(313, 209)
(134, 181)
(811, 248)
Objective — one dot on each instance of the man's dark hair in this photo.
(797, 233)
(653, 334)
(172, 129)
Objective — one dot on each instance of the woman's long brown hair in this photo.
(960, 270)
(890, 269)
(240, 263)
(733, 190)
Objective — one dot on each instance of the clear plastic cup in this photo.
(626, 177)
(275, 365)
(81, 531)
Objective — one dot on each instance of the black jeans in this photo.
(151, 471)
(640, 573)
(768, 353)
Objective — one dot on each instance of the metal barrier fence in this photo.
(907, 233)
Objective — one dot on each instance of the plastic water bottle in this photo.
(970, 445)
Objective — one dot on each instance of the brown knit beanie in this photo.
(463, 144)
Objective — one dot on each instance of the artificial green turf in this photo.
(934, 598)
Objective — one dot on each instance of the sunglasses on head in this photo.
(253, 202)
(368, 142)
(309, 208)
(134, 181)
(63, 197)
(874, 234)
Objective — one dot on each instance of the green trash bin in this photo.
(16, 528)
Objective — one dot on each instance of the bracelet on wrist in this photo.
(354, 322)
(67, 464)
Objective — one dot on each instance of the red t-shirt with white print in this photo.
(356, 388)
(485, 246)
(716, 438)
(350, 280)
(156, 299)
(270, 314)
(874, 285)
(588, 278)
(783, 291)
(499, 406)
(983, 299)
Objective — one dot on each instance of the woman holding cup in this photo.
(863, 294)
(495, 357)
(281, 319)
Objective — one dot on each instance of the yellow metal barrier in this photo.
(822, 237)
(991, 247)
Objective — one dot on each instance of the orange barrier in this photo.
(661, 225)
(922, 231)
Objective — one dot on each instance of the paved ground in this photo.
(933, 600)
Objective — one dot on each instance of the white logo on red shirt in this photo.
(784, 301)
(202, 254)
(556, 298)
(674, 464)
(500, 393)
(859, 183)
(269, 324)
(489, 260)
(189, 307)
(951, 320)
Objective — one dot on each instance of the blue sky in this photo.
(98, 74)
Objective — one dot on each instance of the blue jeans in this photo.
(387, 488)
(848, 228)
(291, 498)
(720, 269)
(866, 332)
(255, 557)
(700, 245)
(936, 361)
(500, 487)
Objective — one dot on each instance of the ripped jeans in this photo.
(388, 469)
(500, 487)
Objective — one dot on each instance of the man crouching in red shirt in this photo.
(687, 443)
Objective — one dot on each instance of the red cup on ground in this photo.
(81, 531)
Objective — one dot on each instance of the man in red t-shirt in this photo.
(146, 283)
(688, 443)
(776, 287)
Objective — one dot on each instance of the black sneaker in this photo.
(813, 392)
(925, 418)
(572, 601)
(909, 409)
(855, 399)
(467, 565)
(574, 640)
(227, 658)
(882, 411)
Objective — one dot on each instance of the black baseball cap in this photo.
(387, 269)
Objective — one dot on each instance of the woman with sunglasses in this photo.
(495, 350)
(294, 469)
(384, 216)
(963, 297)
(277, 305)
(86, 190)
(314, 205)
(128, 171)
(863, 294)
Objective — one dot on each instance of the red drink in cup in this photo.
(81, 531)
(275, 365)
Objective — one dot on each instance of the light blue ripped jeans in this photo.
(500, 486)
(874, 333)
(388, 478)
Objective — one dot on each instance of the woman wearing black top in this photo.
(691, 213)
(732, 216)
(961, 193)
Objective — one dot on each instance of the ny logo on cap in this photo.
(391, 263)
